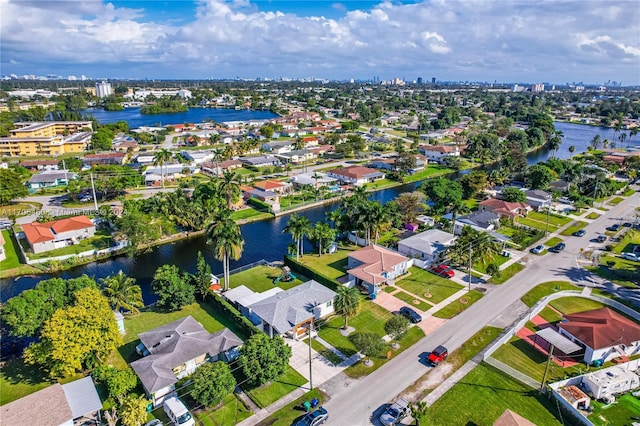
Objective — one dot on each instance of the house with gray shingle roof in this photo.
(290, 312)
(428, 246)
(479, 220)
(176, 350)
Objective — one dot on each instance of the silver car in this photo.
(395, 413)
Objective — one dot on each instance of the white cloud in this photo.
(487, 40)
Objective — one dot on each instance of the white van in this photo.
(178, 413)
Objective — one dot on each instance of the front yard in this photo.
(457, 306)
(423, 283)
(332, 265)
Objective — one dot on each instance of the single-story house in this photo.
(242, 297)
(478, 220)
(197, 157)
(273, 185)
(604, 334)
(40, 165)
(428, 246)
(290, 312)
(57, 405)
(58, 233)
(51, 179)
(610, 381)
(261, 161)
(176, 350)
(536, 198)
(356, 175)
(373, 266)
(279, 147)
(314, 179)
(106, 158)
(439, 152)
(504, 208)
(209, 168)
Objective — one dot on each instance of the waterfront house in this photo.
(314, 179)
(273, 185)
(356, 175)
(428, 246)
(58, 233)
(437, 153)
(175, 350)
(373, 266)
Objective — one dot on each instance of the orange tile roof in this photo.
(70, 224)
(41, 232)
(375, 260)
(355, 172)
(37, 232)
(602, 328)
(268, 185)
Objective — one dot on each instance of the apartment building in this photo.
(46, 138)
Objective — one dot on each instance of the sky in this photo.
(472, 40)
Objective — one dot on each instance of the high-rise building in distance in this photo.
(103, 89)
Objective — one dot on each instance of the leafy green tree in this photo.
(264, 359)
(123, 292)
(442, 192)
(118, 382)
(133, 410)
(202, 277)
(493, 270)
(347, 303)
(472, 183)
(513, 195)
(102, 139)
(71, 163)
(172, 287)
(411, 205)
(368, 344)
(396, 327)
(76, 336)
(406, 162)
(11, 186)
(212, 382)
(44, 217)
(225, 237)
(539, 176)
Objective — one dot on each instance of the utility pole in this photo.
(546, 230)
(470, 255)
(64, 167)
(310, 366)
(93, 189)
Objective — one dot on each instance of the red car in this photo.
(442, 270)
(438, 355)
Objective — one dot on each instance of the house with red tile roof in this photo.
(603, 333)
(504, 208)
(273, 185)
(373, 266)
(356, 175)
(58, 233)
(117, 158)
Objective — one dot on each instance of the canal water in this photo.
(263, 240)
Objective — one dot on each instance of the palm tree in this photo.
(323, 232)
(497, 177)
(632, 132)
(622, 137)
(298, 227)
(347, 303)
(160, 159)
(122, 292)
(456, 208)
(225, 237)
(617, 127)
(218, 155)
(229, 185)
(572, 149)
(595, 142)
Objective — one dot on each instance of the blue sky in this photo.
(554, 41)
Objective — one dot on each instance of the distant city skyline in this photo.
(506, 41)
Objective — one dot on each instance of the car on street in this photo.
(410, 314)
(579, 233)
(154, 422)
(395, 413)
(5, 224)
(557, 248)
(627, 224)
(316, 417)
(443, 270)
(537, 249)
(630, 256)
(613, 228)
(601, 238)
(438, 355)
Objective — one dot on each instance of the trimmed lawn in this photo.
(11, 251)
(624, 272)
(630, 239)
(483, 395)
(430, 171)
(481, 266)
(571, 305)
(544, 289)
(541, 225)
(629, 192)
(260, 278)
(473, 346)
(593, 215)
(101, 240)
(19, 209)
(389, 289)
(322, 350)
(406, 297)
(332, 265)
(269, 393)
(553, 241)
(507, 273)
(292, 411)
(615, 201)
(457, 306)
(575, 226)
(550, 315)
(554, 219)
(626, 407)
(421, 282)
(250, 213)
(231, 411)
(18, 379)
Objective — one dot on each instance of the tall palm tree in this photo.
(225, 237)
(229, 185)
(347, 303)
(596, 142)
(323, 233)
(457, 208)
(160, 159)
(122, 292)
(632, 132)
(572, 149)
(218, 155)
(299, 227)
(622, 137)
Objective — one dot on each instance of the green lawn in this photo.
(231, 411)
(554, 219)
(624, 272)
(629, 192)
(457, 306)
(629, 241)
(544, 289)
(473, 346)
(332, 265)
(571, 305)
(615, 201)
(549, 315)
(269, 393)
(483, 395)
(406, 297)
(507, 273)
(553, 241)
(250, 213)
(322, 350)
(421, 282)
(18, 379)
(260, 278)
(575, 226)
(541, 225)
(101, 240)
(481, 265)
(431, 170)
(11, 251)
(19, 209)
(623, 412)
(288, 414)
(593, 215)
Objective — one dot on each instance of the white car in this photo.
(537, 249)
(630, 256)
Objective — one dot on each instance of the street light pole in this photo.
(470, 255)
(546, 230)
(310, 366)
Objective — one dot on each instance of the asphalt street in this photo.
(353, 401)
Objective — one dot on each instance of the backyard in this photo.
(11, 265)
(260, 279)
(333, 265)
(545, 289)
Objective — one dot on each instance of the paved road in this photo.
(352, 402)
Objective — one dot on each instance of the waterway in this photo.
(264, 239)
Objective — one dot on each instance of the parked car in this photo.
(558, 248)
(313, 418)
(438, 355)
(537, 249)
(178, 413)
(601, 238)
(154, 422)
(395, 413)
(630, 256)
(579, 233)
(627, 224)
(5, 224)
(613, 228)
(443, 270)
(410, 314)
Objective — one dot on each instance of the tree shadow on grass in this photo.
(17, 372)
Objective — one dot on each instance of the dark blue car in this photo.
(313, 418)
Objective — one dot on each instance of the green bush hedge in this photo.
(308, 272)
(260, 205)
(220, 304)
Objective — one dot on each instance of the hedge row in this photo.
(260, 205)
(220, 304)
(308, 272)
